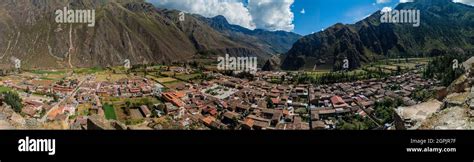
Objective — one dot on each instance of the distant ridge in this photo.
(124, 29)
(444, 26)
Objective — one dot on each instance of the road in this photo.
(56, 106)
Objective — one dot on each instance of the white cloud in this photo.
(263, 14)
(233, 10)
(405, 1)
(468, 2)
(272, 14)
(382, 1)
(303, 11)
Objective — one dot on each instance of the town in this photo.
(185, 97)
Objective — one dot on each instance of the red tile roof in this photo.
(275, 100)
(337, 100)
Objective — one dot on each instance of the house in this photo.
(145, 111)
(213, 111)
(367, 103)
(301, 91)
(208, 120)
(217, 125)
(275, 101)
(318, 125)
(29, 110)
(61, 117)
(174, 97)
(35, 104)
(52, 115)
(247, 124)
(361, 112)
(314, 115)
(170, 108)
(284, 98)
(272, 114)
(325, 113)
(259, 123)
(230, 116)
(338, 102)
(241, 108)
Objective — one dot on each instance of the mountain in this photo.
(270, 41)
(445, 25)
(210, 41)
(124, 29)
(272, 64)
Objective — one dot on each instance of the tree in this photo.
(147, 102)
(384, 110)
(421, 94)
(441, 68)
(354, 122)
(270, 103)
(12, 99)
(301, 111)
(127, 107)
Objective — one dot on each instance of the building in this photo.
(338, 102)
(145, 111)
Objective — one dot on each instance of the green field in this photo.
(119, 101)
(46, 78)
(5, 89)
(377, 69)
(57, 72)
(187, 77)
(88, 70)
(110, 112)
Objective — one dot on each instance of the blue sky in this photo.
(285, 14)
(320, 14)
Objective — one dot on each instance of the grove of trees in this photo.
(14, 100)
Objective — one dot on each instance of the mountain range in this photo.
(124, 29)
(445, 25)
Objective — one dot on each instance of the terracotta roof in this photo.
(213, 112)
(173, 98)
(275, 100)
(337, 100)
(249, 122)
(208, 120)
(52, 115)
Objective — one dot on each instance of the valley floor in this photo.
(181, 97)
